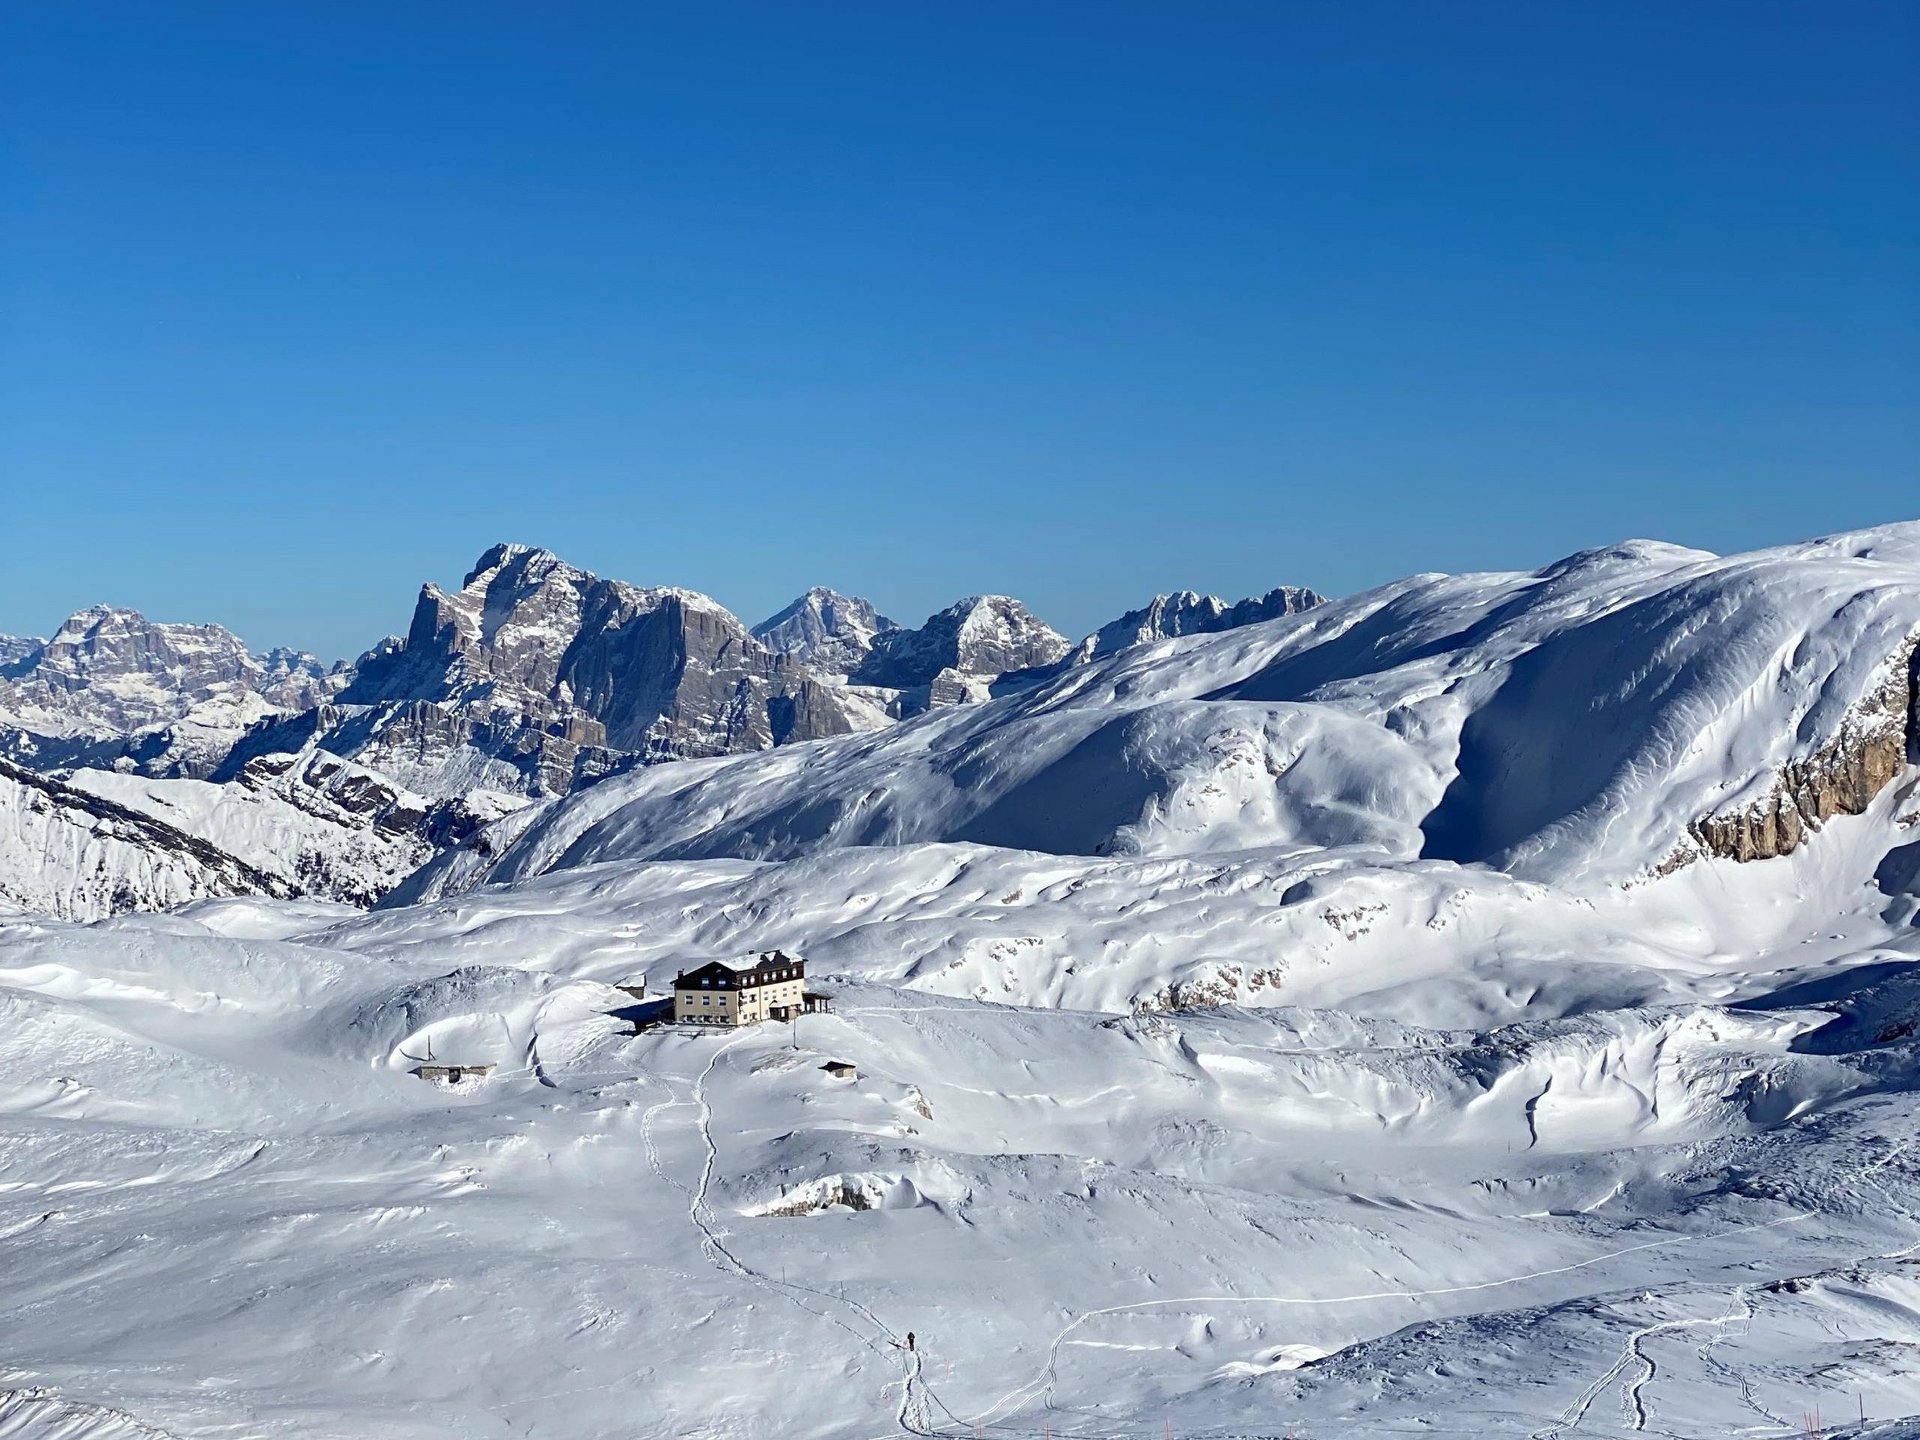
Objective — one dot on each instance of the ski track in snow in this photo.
(1633, 1404)
(713, 1241)
(1041, 1385)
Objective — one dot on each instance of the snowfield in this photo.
(1487, 1006)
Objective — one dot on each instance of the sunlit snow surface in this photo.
(1507, 1133)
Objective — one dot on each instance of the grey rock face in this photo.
(984, 635)
(824, 630)
(1186, 613)
(15, 648)
(115, 668)
(297, 679)
(535, 676)
(113, 687)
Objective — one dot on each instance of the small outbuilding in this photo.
(454, 1074)
(842, 1069)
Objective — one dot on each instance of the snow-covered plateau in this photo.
(1484, 1006)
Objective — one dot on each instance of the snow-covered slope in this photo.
(1481, 1008)
(70, 853)
(1576, 721)
(325, 827)
(1674, 1219)
(1185, 612)
(1550, 760)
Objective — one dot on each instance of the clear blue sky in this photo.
(302, 304)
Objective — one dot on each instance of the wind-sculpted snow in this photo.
(226, 1205)
(1355, 1023)
(1568, 724)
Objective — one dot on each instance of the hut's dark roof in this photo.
(721, 975)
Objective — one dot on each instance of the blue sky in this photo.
(301, 305)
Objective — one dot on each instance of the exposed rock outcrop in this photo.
(328, 828)
(1880, 739)
(14, 648)
(113, 669)
(823, 1195)
(112, 688)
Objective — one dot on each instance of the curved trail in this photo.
(1041, 1385)
(913, 1414)
(1632, 1404)
(1632, 1395)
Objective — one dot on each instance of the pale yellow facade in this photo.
(746, 1005)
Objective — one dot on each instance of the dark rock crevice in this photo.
(1913, 705)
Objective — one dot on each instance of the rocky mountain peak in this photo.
(515, 568)
(980, 635)
(825, 630)
(112, 687)
(131, 670)
(505, 555)
(112, 640)
(281, 662)
(536, 674)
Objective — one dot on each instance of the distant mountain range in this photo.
(531, 680)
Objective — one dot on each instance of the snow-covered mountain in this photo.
(1482, 1007)
(982, 636)
(828, 632)
(956, 656)
(1185, 612)
(71, 853)
(14, 648)
(535, 676)
(326, 828)
(114, 687)
(104, 842)
(1604, 722)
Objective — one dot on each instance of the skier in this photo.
(909, 1339)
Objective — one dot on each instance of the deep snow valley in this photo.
(1484, 1006)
